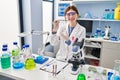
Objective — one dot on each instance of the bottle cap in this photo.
(27, 45)
(14, 43)
(23, 46)
(4, 45)
(4, 49)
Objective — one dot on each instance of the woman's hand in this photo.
(65, 36)
(55, 25)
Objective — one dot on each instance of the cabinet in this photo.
(92, 51)
(107, 52)
(110, 51)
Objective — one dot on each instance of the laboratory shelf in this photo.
(88, 19)
(89, 56)
(94, 1)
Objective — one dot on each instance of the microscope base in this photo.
(75, 72)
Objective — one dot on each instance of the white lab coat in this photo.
(65, 51)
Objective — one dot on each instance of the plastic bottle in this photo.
(98, 31)
(16, 52)
(102, 34)
(5, 59)
(117, 12)
(105, 14)
(108, 14)
(111, 14)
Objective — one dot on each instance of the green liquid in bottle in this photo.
(15, 52)
(5, 61)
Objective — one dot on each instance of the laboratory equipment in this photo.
(117, 12)
(76, 57)
(98, 75)
(106, 14)
(34, 32)
(5, 59)
(81, 77)
(110, 74)
(117, 70)
(27, 52)
(107, 32)
(98, 32)
(30, 64)
(112, 14)
(15, 52)
(40, 59)
(16, 56)
(18, 65)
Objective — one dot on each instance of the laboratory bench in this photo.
(64, 74)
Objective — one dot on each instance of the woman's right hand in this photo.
(55, 25)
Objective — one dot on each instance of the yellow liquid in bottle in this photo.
(117, 12)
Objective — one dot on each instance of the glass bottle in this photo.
(22, 53)
(6, 45)
(16, 49)
(15, 53)
(5, 59)
(27, 52)
(117, 70)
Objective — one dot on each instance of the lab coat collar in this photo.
(75, 30)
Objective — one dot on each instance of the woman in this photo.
(65, 35)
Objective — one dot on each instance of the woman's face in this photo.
(71, 16)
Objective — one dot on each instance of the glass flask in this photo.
(30, 64)
(82, 74)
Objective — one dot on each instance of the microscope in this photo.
(76, 59)
(107, 32)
